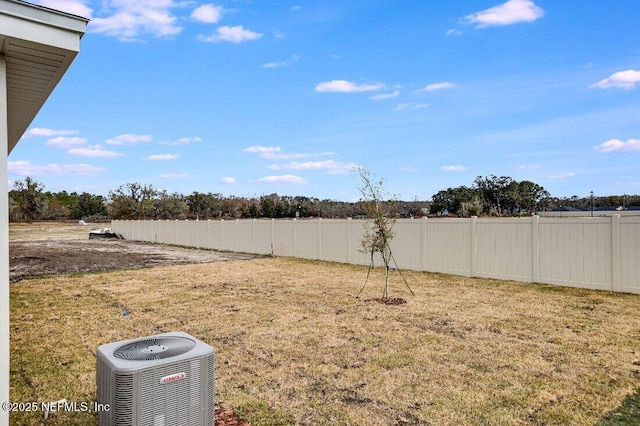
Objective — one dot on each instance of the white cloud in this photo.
(410, 106)
(617, 145)
(455, 168)
(160, 157)
(453, 32)
(182, 141)
(128, 20)
(227, 180)
(344, 86)
(561, 175)
(94, 151)
(508, 13)
(285, 63)
(381, 96)
(258, 149)
(529, 167)
(237, 34)
(437, 86)
(291, 179)
(296, 7)
(25, 168)
(331, 166)
(623, 79)
(292, 155)
(274, 153)
(129, 139)
(75, 7)
(207, 13)
(38, 131)
(64, 142)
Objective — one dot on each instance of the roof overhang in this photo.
(39, 45)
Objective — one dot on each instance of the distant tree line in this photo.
(491, 195)
(28, 202)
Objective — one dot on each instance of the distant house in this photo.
(605, 208)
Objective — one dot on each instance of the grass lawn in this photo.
(294, 346)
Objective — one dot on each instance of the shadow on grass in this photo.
(627, 414)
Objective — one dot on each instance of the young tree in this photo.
(380, 208)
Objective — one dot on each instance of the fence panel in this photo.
(262, 234)
(215, 235)
(283, 241)
(245, 236)
(576, 252)
(306, 239)
(191, 230)
(406, 245)
(504, 249)
(355, 253)
(181, 233)
(230, 235)
(598, 253)
(202, 232)
(335, 240)
(629, 263)
(161, 231)
(448, 246)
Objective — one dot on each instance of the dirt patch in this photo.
(227, 417)
(46, 257)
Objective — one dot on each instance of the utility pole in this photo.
(591, 203)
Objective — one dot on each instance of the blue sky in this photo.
(249, 98)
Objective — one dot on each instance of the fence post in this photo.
(253, 235)
(319, 238)
(535, 248)
(474, 238)
(424, 243)
(348, 240)
(615, 250)
(273, 235)
(237, 234)
(197, 225)
(294, 236)
(221, 234)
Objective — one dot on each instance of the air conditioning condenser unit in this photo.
(163, 380)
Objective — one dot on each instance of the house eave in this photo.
(39, 45)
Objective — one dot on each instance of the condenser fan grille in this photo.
(154, 348)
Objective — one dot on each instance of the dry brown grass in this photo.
(293, 345)
(51, 231)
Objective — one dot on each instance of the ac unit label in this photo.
(172, 378)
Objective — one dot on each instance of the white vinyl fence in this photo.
(598, 253)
